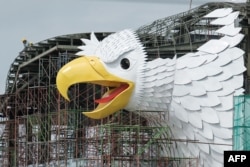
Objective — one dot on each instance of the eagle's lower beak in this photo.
(91, 70)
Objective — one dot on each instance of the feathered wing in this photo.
(158, 85)
(205, 83)
(197, 90)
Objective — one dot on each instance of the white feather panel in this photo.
(206, 131)
(194, 118)
(225, 75)
(171, 68)
(237, 67)
(182, 77)
(233, 41)
(149, 94)
(93, 38)
(162, 94)
(216, 163)
(199, 85)
(211, 69)
(174, 121)
(207, 159)
(220, 132)
(194, 149)
(177, 132)
(165, 87)
(197, 73)
(202, 143)
(190, 54)
(226, 119)
(235, 53)
(167, 80)
(154, 105)
(219, 13)
(198, 91)
(149, 91)
(163, 74)
(149, 85)
(190, 61)
(211, 84)
(230, 30)
(226, 142)
(157, 62)
(208, 100)
(144, 104)
(204, 149)
(223, 59)
(209, 115)
(190, 103)
(180, 90)
(150, 79)
(217, 157)
(236, 82)
(200, 53)
(239, 92)
(217, 45)
(176, 100)
(229, 19)
(188, 130)
(193, 62)
(156, 100)
(210, 57)
(180, 112)
(228, 52)
(226, 90)
(226, 103)
(150, 72)
(181, 64)
(164, 106)
(219, 149)
(161, 69)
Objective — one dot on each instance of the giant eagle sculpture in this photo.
(195, 91)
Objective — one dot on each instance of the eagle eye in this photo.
(125, 64)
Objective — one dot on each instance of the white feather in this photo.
(233, 40)
(217, 45)
(227, 20)
(209, 115)
(223, 12)
(229, 30)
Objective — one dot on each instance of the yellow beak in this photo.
(91, 70)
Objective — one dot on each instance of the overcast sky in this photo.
(40, 20)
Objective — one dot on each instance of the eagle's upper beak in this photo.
(91, 70)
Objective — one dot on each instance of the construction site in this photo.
(40, 128)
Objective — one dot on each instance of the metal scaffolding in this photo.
(40, 128)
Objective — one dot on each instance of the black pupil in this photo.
(125, 63)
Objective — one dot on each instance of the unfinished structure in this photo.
(40, 128)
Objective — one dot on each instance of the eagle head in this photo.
(117, 62)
